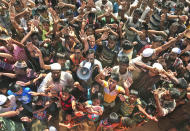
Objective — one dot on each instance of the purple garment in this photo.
(6, 66)
(29, 76)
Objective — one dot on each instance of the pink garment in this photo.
(18, 53)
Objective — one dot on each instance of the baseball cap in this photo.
(148, 52)
(3, 99)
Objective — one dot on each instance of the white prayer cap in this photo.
(148, 52)
(157, 66)
(3, 99)
(52, 128)
(55, 66)
(176, 50)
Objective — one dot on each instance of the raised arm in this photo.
(42, 64)
(13, 21)
(169, 43)
(10, 75)
(7, 56)
(101, 76)
(147, 115)
(62, 4)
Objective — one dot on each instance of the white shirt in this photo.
(123, 77)
(145, 12)
(98, 5)
(66, 79)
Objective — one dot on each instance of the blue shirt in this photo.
(25, 97)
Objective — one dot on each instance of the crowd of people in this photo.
(109, 64)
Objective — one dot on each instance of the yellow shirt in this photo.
(110, 96)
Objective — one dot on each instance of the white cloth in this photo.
(55, 66)
(66, 79)
(148, 52)
(145, 12)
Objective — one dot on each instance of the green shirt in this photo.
(9, 125)
(127, 108)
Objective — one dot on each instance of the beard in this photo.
(56, 79)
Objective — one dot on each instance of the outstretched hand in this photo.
(106, 71)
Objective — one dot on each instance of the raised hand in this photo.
(71, 32)
(83, 36)
(104, 36)
(121, 24)
(90, 3)
(107, 13)
(25, 119)
(163, 17)
(106, 71)
(33, 93)
(83, 5)
(62, 4)
(121, 97)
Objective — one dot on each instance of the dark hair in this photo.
(165, 6)
(180, 5)
(138, 11)
(34, 34)
(144, 26)
(157, 39)
(14, 87)
(68, 89)
(123, 59)
(115, 77)
(45, 21)
(42, 8)
(174, 93)
(112, 37)
(151, 109)
(17, 2)
(186, 54)
(92, 15)
(45, 52)
(97, 96)
(182, 83)
(69, 12)
(90, 51)
(78, 46)
(127, 45)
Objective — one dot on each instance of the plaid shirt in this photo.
(177, 61)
